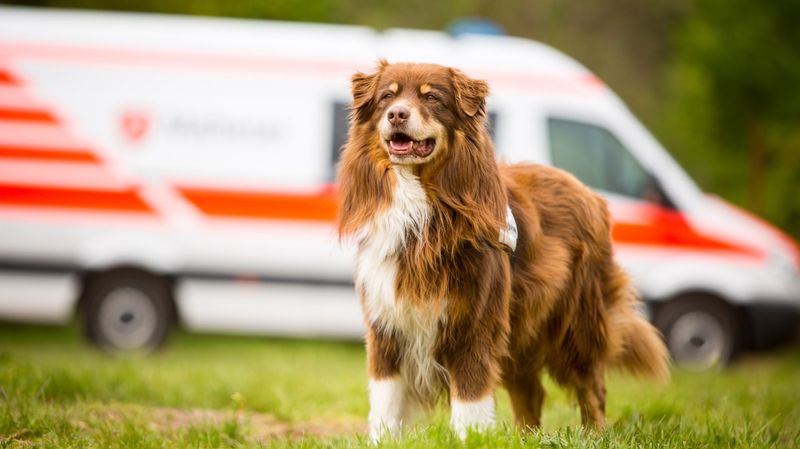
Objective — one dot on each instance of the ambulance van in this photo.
(160, 170)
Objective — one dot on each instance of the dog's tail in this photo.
(635, 345)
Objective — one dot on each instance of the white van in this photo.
(158, 169)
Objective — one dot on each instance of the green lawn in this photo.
(210, 391)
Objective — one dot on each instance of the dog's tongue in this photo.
(401, 146)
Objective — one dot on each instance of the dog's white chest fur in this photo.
(376, 276)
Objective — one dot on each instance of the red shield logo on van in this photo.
(135, 124)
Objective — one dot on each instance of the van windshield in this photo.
(601, 161)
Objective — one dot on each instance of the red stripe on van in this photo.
(186, 59)
(20, 152)
(101, 200)
(319, 206)
(26, 115)
(7, 78)
(248, 63)
(670, 229)
(659, 228)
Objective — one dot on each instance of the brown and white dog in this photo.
(446, 311)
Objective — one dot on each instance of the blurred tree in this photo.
(733, 81)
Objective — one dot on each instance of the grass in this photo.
(210, 391)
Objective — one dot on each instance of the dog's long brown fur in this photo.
(565, 307)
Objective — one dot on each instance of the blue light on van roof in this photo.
(476, 25)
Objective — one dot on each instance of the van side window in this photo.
(601, 161)
(341, 111)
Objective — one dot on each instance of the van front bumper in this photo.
(770, 324)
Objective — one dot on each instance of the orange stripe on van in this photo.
(26, 115)
(101, 200)
(659, 228)
(20, 152)
(637, 234)
(185, 59)
(7, 78)
(264, 63)
(669, 229)
(319, 206)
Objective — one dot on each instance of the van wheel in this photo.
(127, 310)
(700, 331)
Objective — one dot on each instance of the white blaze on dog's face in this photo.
(415, 107)
(408, 128)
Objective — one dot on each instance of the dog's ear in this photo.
(470, 93)
(363, 87)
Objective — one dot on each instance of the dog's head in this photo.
(429, 119)
(414, 108)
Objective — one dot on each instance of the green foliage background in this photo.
(717, 81)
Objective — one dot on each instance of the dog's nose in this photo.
(397, 115)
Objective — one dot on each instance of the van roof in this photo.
(245, 37)
(483, 51)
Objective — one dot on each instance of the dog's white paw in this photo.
(378, 430)
(386, 403)
(476, 415)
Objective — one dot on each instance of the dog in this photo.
(473, 275)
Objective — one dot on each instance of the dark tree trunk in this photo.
(756, 151)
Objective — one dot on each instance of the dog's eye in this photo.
(431, 97)
(387, 96)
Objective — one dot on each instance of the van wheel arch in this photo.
(155, 289)
(701, 329)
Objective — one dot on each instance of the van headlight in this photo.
(781, 261)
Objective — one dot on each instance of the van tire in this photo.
(127, 310)
(700, 331)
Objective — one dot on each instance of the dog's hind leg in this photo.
(527, 396)
(591, 392)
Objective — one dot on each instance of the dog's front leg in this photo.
(472, 383)
(387, 390)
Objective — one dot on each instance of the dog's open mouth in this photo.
(403, 145)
